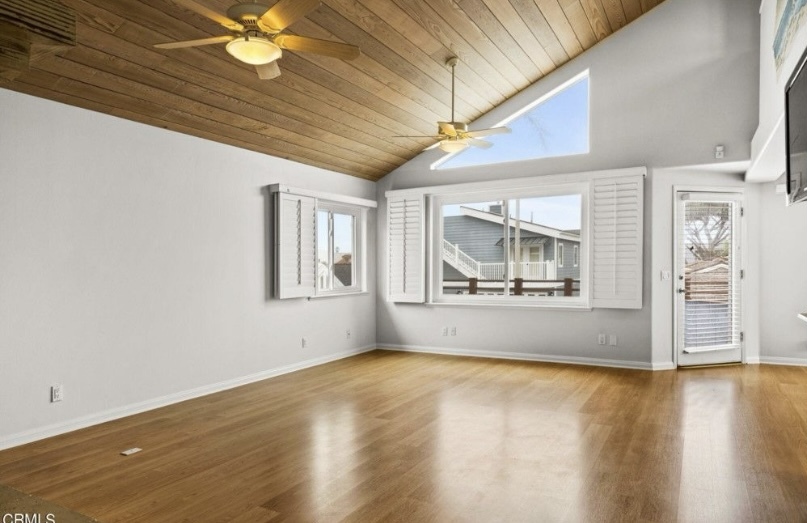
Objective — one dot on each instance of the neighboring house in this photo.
(342, 272)
(707, 281)
(473, 246)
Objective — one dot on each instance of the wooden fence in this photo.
(516, 287)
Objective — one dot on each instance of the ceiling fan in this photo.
(256, 34)
(454, 136)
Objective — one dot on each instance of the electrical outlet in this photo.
(720, 152)
(445, 331)
(56, 393)
(601, 339)
(347, 334)
(612, 340)
(304, 342)
(453, 331)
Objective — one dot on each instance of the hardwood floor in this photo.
(390, 436)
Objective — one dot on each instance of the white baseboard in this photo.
(524, 356)
(55, 429)
(774, 360)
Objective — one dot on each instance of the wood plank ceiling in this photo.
(337, 115)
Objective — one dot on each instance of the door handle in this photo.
(681, 291)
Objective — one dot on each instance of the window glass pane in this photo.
(542, 229)
(472, 252)
(343, 250)
(556, 126)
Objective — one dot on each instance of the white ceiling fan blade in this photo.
(447, 128)
(488, 132)
(195, 43)
(484, 144)
(213, 15)
(268, 71)
(286, 12)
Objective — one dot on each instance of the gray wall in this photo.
(783, 252)
(134, 270)
(664, 91)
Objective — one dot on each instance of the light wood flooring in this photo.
(389, 436)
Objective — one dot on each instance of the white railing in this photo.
(529, 270)
(459, 260)
(495, 271)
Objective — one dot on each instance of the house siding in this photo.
(568, 270)
(475, 237)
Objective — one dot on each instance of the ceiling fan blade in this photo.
(286, 12)
(195, 43)
(315, 45)
(213, 15)
(484, 144)
(447, 128)
(488, 132)
(268, 71)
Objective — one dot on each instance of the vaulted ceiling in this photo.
(320, 111)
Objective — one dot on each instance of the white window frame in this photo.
(559, 255)
(576, 256)
(356, 207)
(357, 256)
(613, 245)
(536, 190)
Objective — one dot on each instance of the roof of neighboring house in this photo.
(523, 225)
(346, 259)
(706, 265)
(525, 241)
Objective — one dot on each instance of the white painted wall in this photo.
(133, 268)
(664, 91)
(768, 144)
(783, 253)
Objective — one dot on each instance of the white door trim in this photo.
(677, 190)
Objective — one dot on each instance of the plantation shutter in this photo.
(405, 229)
(617, 239)
(295, 246)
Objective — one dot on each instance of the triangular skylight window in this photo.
(556, 124)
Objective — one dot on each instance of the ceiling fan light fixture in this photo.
(453, 146)
(255, 50)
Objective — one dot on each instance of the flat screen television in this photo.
(796, 132)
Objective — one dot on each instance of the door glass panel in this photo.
(711, 305)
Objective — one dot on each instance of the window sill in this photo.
(578, 307)
(338, 295)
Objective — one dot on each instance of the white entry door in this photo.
(708, 278)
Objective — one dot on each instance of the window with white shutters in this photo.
(405, 229)
(560, 241)
(617, 215)
(320, 243)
